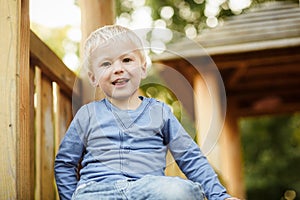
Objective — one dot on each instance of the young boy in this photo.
(123, 139)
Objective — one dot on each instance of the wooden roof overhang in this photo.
(257, 54)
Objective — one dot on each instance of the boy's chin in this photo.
(118, 97)
(124, 95)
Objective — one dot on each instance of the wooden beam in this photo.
(231, 156)
(16, 139)
(266, 84)
(25, 143)
(283, 108)
(42, 56)
(258, 93)
(262, 103)
(274, 69)
(251, 37)
(94, 14)
(258, 58)
(233, 77)
(237, 75)
(286, 22)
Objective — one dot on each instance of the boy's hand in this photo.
(232, 198)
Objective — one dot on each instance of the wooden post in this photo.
(231, 156)
(16, 100)
(208, 115)
(94, 14)
(203, 108)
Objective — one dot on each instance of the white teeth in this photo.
(119, 81)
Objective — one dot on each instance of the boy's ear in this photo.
(93, 79)
(144, 70)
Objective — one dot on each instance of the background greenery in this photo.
(271, 149)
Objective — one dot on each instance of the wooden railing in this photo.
(55, 100)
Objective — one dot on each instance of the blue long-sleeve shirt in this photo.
(119, 144)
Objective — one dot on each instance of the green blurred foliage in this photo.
(56, 39)
(186, 12)
(53, 37)
(271, 149)
(194, 13)
(153, 86)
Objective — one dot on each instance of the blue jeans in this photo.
(148, 187)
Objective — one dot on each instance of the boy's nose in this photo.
(117, 68)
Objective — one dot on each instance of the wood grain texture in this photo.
(16, 169)
(47, 141)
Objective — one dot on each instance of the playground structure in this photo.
(259, 69)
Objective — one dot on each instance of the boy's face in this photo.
(117, 68)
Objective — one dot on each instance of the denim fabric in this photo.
(119, 144)
(148, 187)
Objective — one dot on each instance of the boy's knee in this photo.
(173, 191)
(176, 188)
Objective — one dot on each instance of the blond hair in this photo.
(110, 33)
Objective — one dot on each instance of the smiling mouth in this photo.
(120, 81)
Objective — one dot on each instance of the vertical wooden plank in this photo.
(57, 119)
(24, 139)
(47, 141)
(38, 132)
(65, 114)
(32, 128)
(8, 92)
(57, 116)
(15, 169)
(53, 113)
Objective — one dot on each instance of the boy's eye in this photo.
(105, 64)
(126, 60)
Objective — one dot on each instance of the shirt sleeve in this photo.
(190, 159)
(69, 155)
